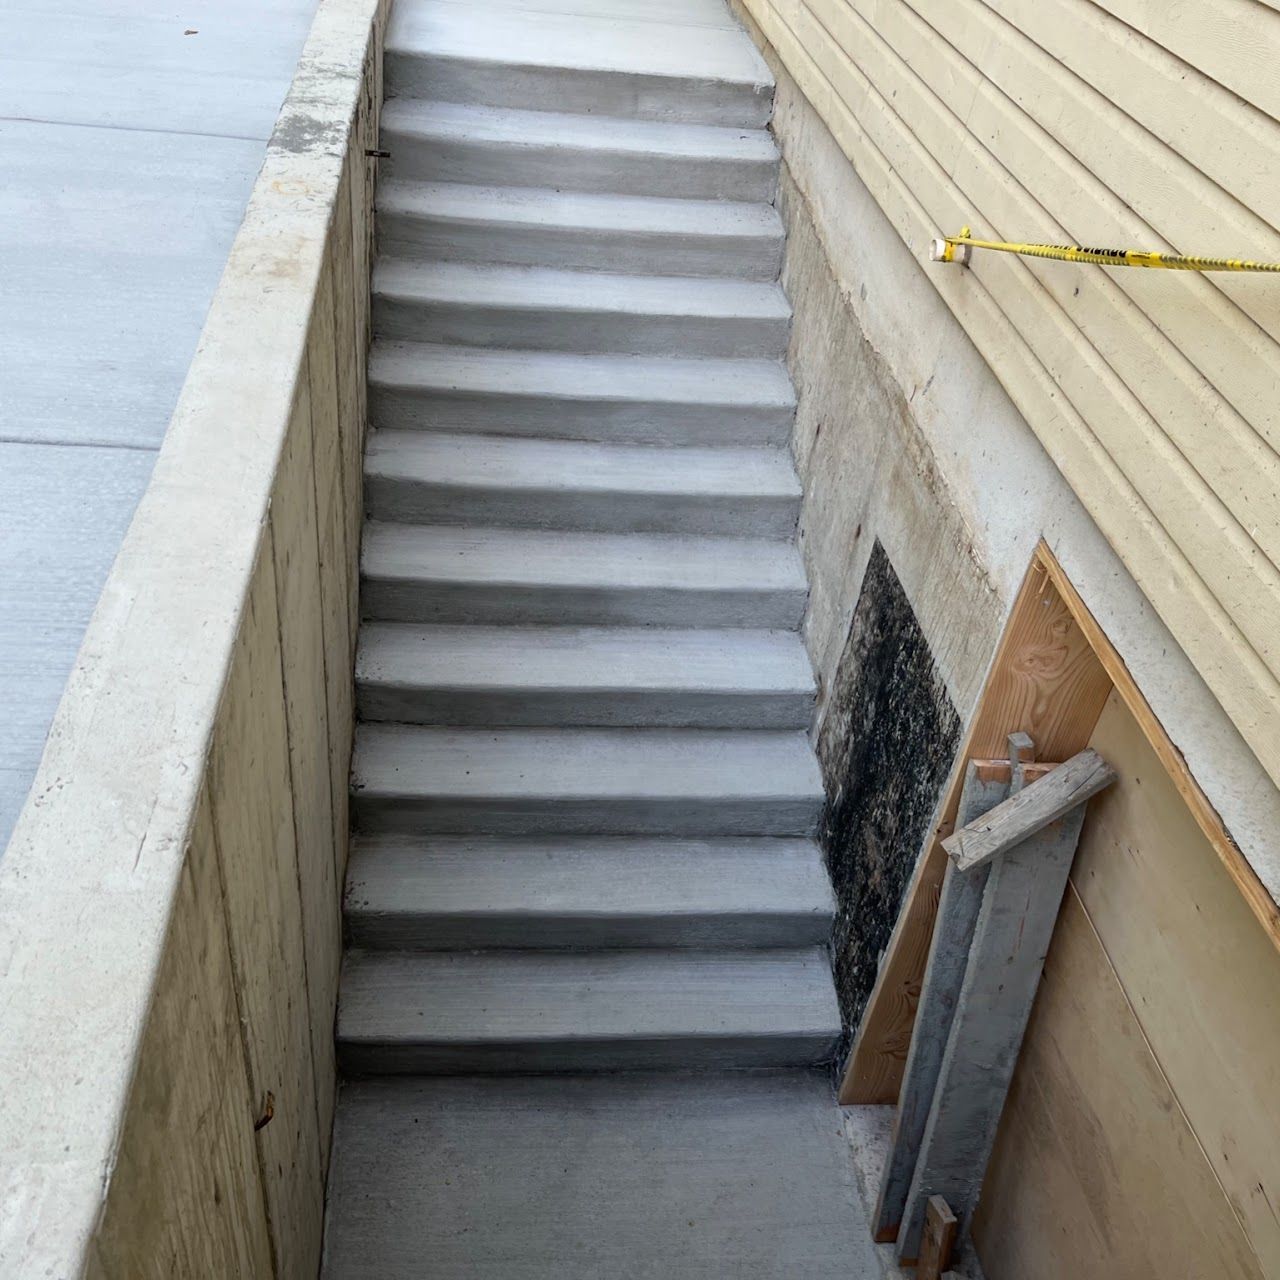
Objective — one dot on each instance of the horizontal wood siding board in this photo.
(1153, 446)
(1237, 42)
(1001, 304)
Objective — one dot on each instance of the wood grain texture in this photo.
(253, 816)
(299, 605)
(1200, 971)
(939, 1238)
(1105, 380)
(1010, 941)
(948, 957)
(1032, 809)
(1044, 681)
(1121, 1185)
(186, 1195)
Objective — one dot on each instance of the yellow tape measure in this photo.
(958, 248)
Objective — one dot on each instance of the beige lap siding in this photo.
(1152, 391)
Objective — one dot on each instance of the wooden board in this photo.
(1096, 1173)
(1046, 681)
(1198, 968)
(958, 910)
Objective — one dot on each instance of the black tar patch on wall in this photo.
(886, 747)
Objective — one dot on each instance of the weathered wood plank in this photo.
(298, 599)
(1011, 938)
(1029, 811)
(1044, 680)
(254, 830)
(957, 914)
(939, 1239)
(185, 1198)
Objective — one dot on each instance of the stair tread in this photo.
(755, 765)
(503, 126)
(554, 558)
(536, 207)
(684, 1177)
(574, 41)
(529, 463)
(589, 292)
(591, 877)
(582, 658)
(608, 378)
(500, 997)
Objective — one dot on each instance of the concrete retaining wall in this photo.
(169, 904)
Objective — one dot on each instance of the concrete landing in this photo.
(746, 1177)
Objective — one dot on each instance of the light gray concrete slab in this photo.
(64, 511)
(516, 1011)
(430, 477)
(457, 893)
(187, 68)
(128, 149)
(536, 227)
(651, 1178)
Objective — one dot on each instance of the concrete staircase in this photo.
(583, 792)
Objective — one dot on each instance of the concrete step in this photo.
(430, 1013)
(636, 399)
(456, 303)
(406, 893)
(584, 781)
(426, 477)
(573, 62)
(583, 676)
(489, 146)
(527, 226)
(653, 1177)
(439, 573)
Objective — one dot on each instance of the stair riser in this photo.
(421, 502)
(442, 239)
(577, 90)
(673, 709)
(588, 331)
(482, 930)
(617, 421)
(658, 1053)
(407, 600)
(483, 163)
(488, 815)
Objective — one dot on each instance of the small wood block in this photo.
(939, 1239)
(1030, 810)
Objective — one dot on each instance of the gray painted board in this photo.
(958, 910)
(1011, 939)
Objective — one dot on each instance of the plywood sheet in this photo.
(1097, 1173)
(1197, 966)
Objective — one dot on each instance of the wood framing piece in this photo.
(940, 1226)
(1011, 939)
(957, 915)
(1031, 810)
(1045, 680)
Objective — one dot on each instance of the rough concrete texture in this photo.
(649, 1178)
(167, 895)
(923, 449)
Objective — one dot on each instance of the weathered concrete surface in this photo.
(129, 148)
(660, 1177)
(905, 435)
(168, 903)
